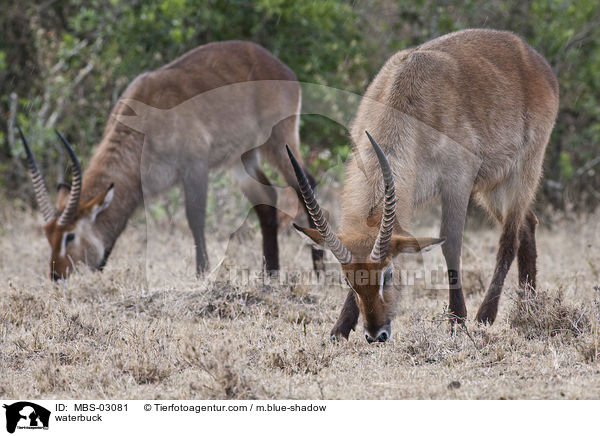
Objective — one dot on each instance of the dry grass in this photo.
(536, 314)
(114, 335)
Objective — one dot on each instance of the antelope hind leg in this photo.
(506, 253)
(195, 184)
(527, 254)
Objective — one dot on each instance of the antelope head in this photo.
(366, 259)
(69, 226)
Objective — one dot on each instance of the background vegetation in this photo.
(65, 62)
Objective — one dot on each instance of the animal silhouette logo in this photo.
(26, 415)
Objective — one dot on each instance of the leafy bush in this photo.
(64, 63)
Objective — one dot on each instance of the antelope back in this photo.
(468, 102)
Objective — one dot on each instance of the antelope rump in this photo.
(466, 114)
(223, 104)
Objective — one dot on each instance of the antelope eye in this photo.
(387, 276)
(70, 237)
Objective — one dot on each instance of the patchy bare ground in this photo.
(114, 335)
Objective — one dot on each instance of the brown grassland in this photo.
(107, 335)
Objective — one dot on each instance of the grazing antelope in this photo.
(469, 113)
(231, 128)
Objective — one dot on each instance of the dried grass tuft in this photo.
(538, 315)
(227, 379)
(304, 360)
(429, 341)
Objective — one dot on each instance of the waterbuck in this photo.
(223, 104)
(466, 114)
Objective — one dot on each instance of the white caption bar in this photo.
(289, 417)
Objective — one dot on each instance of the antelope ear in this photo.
(312, 236)
(100, 202)
(406, 244)
(62, 195)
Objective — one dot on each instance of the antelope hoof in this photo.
(338, 335)
(272, 273)
(457, 318)
(457, 315)
(486, 314)
(318, 261)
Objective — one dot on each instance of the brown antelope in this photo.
(469, 113)
(232, 128)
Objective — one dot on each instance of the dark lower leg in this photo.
(267, 216)
(347, 319)
(201, 254)
(506, 253)
(456, 304)
(527, 253)
(454, 210)
(195, 209)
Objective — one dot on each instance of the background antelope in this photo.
(232, 128)
(469, 113)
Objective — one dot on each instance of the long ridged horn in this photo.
(41, 194)
(382, 243)
(68, 214)
(331, 240)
